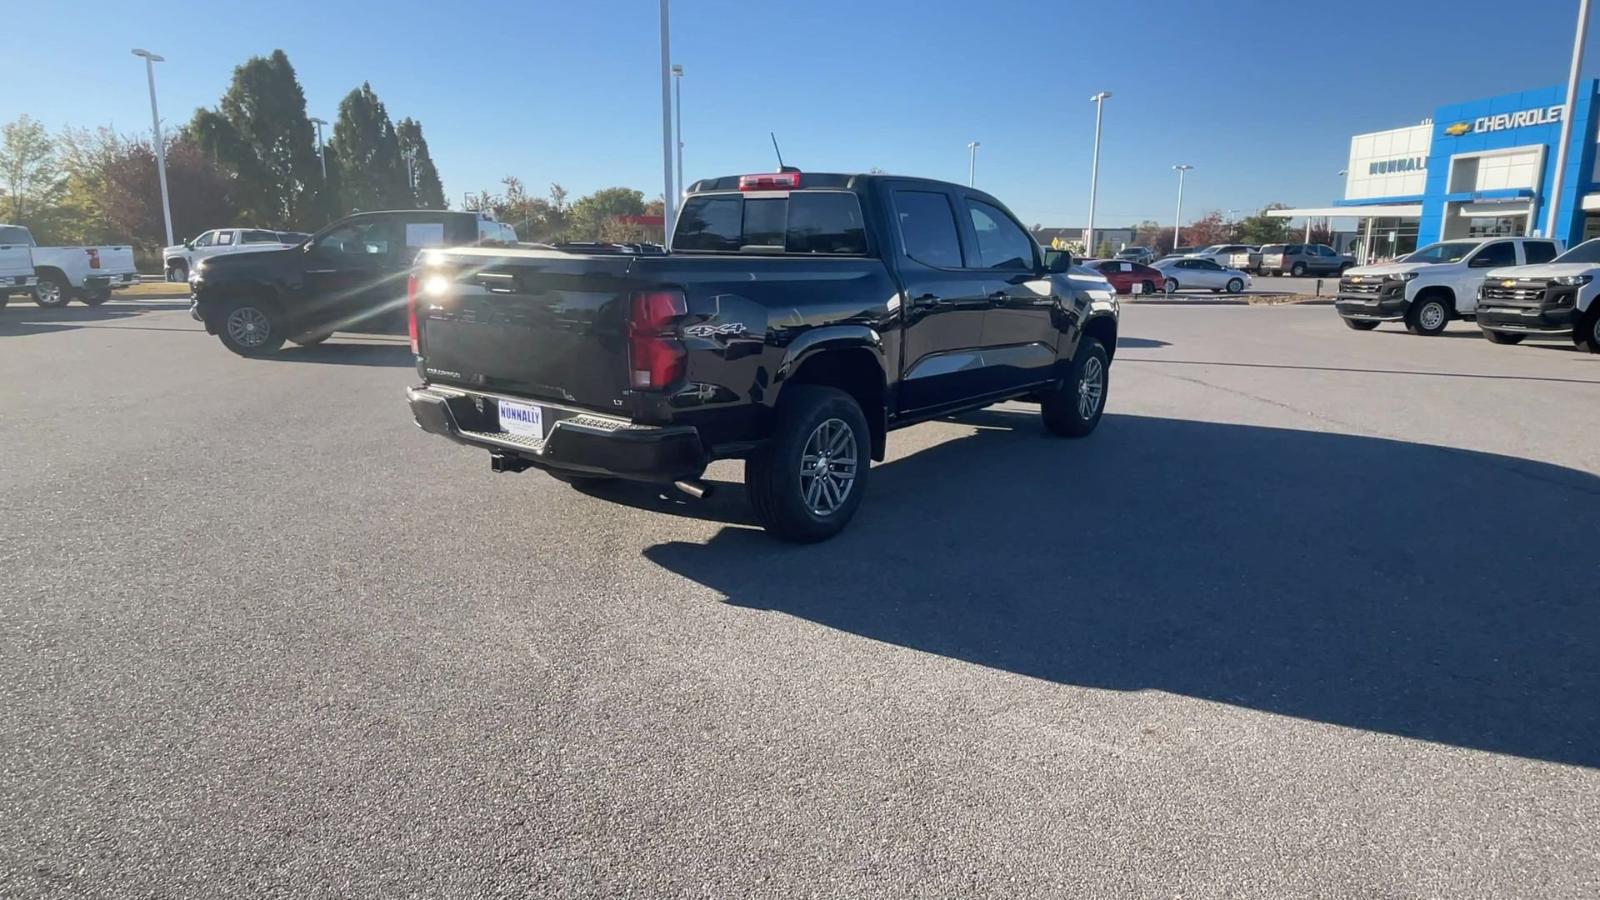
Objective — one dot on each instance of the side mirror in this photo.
(1057, 262)
(189, 243)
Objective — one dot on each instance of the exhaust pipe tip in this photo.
(694, 487)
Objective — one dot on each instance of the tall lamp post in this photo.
(1554, 197)
(150, 60)
(677, 107)
(669, 197)
(320, 158)
(1177, 218)
(1099, 101)
(972, 163)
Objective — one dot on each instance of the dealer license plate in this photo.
(523, 419)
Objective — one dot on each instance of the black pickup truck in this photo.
(349, 275)
(797, 319)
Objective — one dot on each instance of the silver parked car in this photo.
(1303, 259)
(1183, 273)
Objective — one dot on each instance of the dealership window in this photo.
(1391, 237)
(1591, 226)
(1495, 226)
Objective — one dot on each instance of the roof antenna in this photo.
(781, 166)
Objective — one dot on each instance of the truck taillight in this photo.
(411, 310)
(94, 257)
(656, 358)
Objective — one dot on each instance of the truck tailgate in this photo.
(534, 323)
(114, 260)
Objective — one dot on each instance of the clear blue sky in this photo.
(1261, 97)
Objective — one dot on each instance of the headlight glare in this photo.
(1571, 280)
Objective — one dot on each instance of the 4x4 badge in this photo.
(709, 330)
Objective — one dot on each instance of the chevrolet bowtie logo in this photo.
(1458, 129)
(1509, 282)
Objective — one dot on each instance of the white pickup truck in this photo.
(179, 260)
(1560, 298)
(16, 262)
(1435, 284)
(87, 273)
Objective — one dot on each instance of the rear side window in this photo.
(928, 228)
(15, 234)
(1538, 251)
(1501, 254)
(812, 222)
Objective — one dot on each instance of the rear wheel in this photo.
(807, 481)
(311, 339)
(1171, 285)
(1149, 286)
(1503, 337)
(1073, 410)
(1428, 316)
(1359, 324)
(251, 328)
(95, 298)
(52, 292)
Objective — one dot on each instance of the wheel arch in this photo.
(1442, 291)
(849, 358)
(1103, 328)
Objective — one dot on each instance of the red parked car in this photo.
(1129, 277)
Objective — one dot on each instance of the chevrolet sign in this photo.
(1544, 115)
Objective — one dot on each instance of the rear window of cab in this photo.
(810, 222)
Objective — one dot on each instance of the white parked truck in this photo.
(1556, 299)
(179, 260)
(16, 262)
(1435, 284)
(84, 273)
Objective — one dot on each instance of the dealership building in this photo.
(1476, 169)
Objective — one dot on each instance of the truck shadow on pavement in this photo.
(1427, 592)
(341, 353)
(26, 317)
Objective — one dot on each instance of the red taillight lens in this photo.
(411, 309)
(772, 181)
(656, 357)
(94, 257)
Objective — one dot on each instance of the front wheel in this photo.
(1360, 324)
(1589, 332)
(52, 292)
(1074, 408)
(1298, 270)
(1235, 286)
(1503, 337)
(251, 328)
(1427, 316)
(807, 481)
(178, 271)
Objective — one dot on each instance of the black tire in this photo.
(311, 339)
(1428, 315)
(1359, 324)
(178, 271)
(1588, 335)
(96, 298)
(1298, 270)
(266, 335)
(1068, 410)
(53, 292)
(1235, 285)
(774, 477)
(1149, 286)
(1503, 337)
(1171, 285)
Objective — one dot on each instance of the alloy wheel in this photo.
(248, 326)
(48, 293)
(1091, 388)
(828, 467)
(1431, 316)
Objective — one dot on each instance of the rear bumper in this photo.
(575, 440)
(18, 283)
(1528, 319)
(109, 281)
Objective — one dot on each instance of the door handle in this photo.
(926, 301)
(998, 298)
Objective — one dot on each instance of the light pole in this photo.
(669, 197)
(410, 156)
(677, 107)
(1554, 197)
(320, 158)
(1099, 101)
(150, 60)
(1177, 218)
(972, 162)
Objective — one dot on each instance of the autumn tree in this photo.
(30, 172)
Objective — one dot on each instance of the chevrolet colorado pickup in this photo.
(1555, 299)
(1433, 285)
(351, 274)
(795, 321)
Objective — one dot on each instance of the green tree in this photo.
(1264, 229)
(593, 214)
(30, 171)
(372, 172)
(261, 133)
(429, 193)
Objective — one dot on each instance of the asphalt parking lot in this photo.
(1312, 614)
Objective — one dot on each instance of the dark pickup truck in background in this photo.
(350, 274)
(798, 318)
